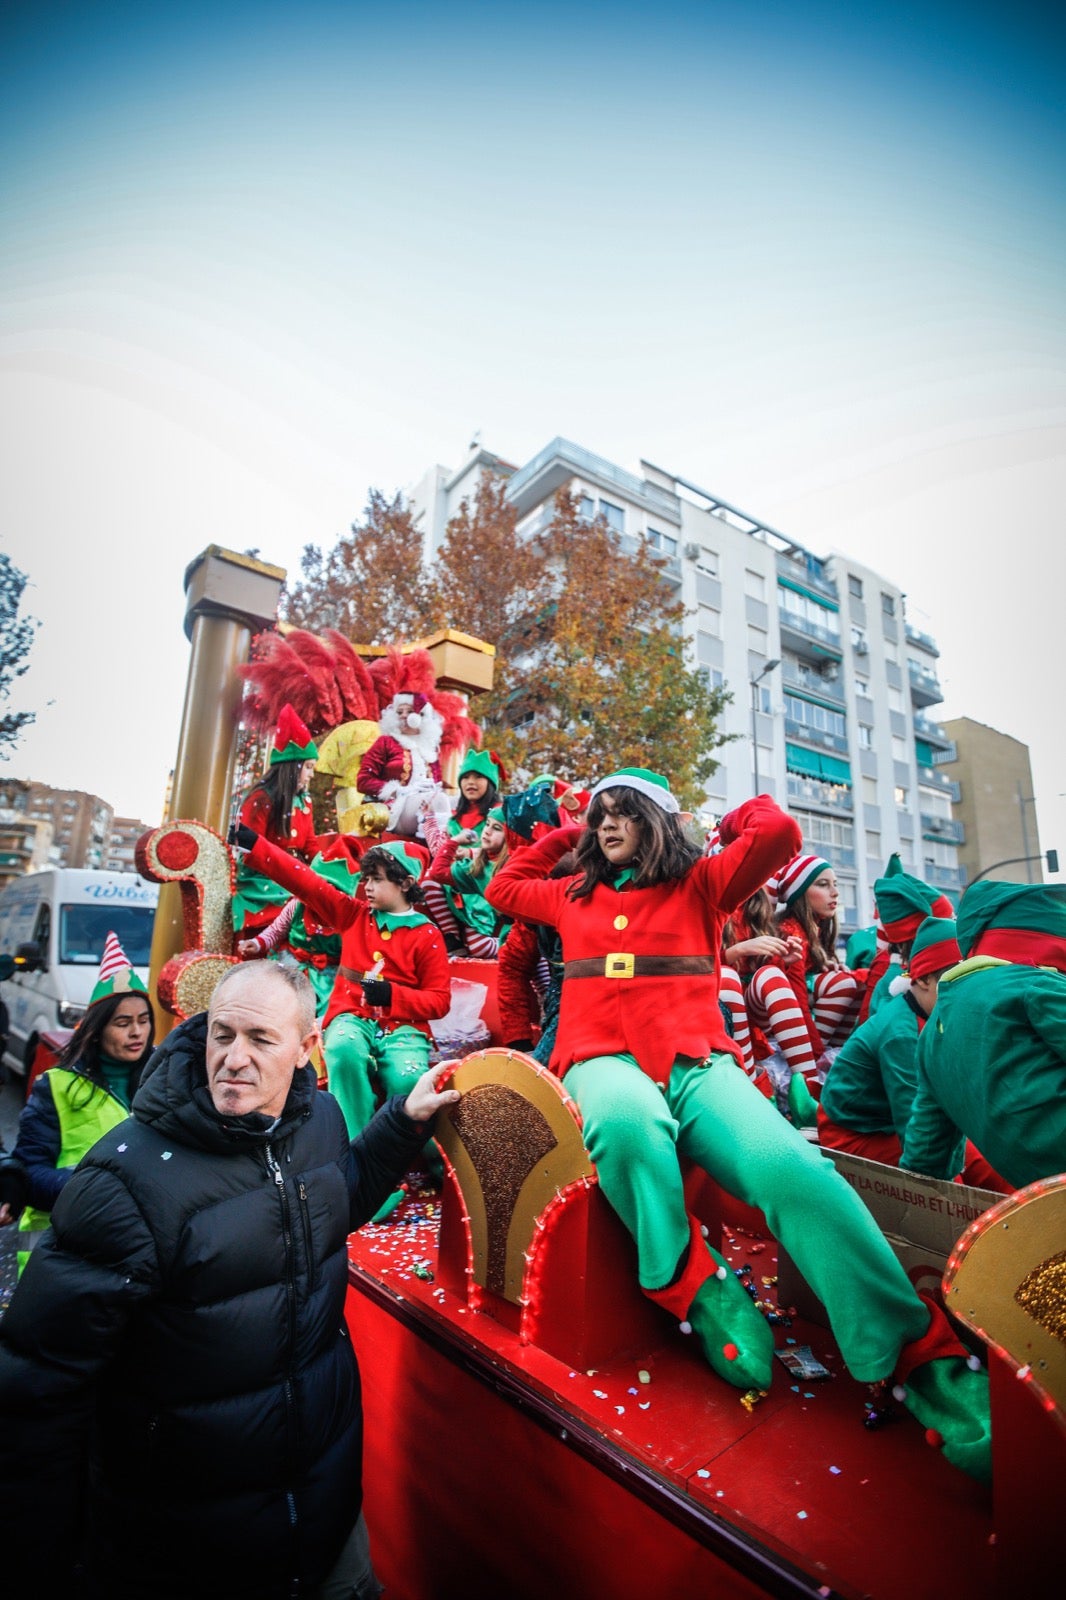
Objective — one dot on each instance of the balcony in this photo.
(925, 728)
(925, 686)
(815, 736)
(815, 641)
(951, 878)
(933, 778)
(670, 566)
(945, 828)
(924, 641)
(561, 461)
(822, 796)
(801, 677)
(808, 571)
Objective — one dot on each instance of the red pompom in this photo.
(932, 1437)
(730, 1352)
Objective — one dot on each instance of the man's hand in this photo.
(241, 836)
(424, 1101)
(376, 991)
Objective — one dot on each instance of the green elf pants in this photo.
(359, 1056)
(714, 1115)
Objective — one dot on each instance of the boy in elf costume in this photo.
(868, 1095)
(643, 1050)
(903, 902)
(992, 1063)
(392, 980)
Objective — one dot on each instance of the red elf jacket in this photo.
(653, 1018)
(413, 958)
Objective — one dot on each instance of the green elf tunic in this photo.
(992, 1068)
(871, 1084)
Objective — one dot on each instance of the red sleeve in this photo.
(521, 887)
(371, 773)
(759, 838)
(441, 868)
(433, 995)
(329, 904)
(255, 811)
(516, 997)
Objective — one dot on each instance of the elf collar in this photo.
(388, 921)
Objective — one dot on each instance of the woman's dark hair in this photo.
(665, 854)
(822, 932)
(484, 803)
(383, 864)
(758, 913)
(81, 1053)
(281, 784)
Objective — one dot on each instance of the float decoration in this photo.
(195, 857)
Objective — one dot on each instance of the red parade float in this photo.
(534, 1424)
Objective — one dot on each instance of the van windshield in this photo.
(83, 929)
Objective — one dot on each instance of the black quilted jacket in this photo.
(178, 1341)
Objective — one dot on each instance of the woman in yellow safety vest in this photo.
(87, 1092)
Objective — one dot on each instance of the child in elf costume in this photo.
(867, 1097)
(643, 1050)
(481, 777)
(992, 1062)
(392, 979)
(902, 903)
(279, 808)
(455, 886)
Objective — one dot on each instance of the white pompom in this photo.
(900, 984)
(686, 1327)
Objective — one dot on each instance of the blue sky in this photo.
(258, 259)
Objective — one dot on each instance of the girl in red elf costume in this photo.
(643, 1050)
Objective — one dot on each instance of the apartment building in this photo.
(832, 686)
(25, 841)
(122, 841)
(995, 807)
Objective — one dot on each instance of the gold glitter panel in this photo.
(505, 1137)
(1043, 1294)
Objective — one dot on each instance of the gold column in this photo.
(228, 598)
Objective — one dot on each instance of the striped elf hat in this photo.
(116, 976)
(798, 876)
(935, 947)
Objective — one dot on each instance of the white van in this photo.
(55, 923)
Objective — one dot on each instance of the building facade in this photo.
(25, 841)
(995, 808)
(832, 686)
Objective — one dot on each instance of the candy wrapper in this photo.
(802, 1363)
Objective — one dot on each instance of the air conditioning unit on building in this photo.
(861, 647)
(831, 673)
(692, 552)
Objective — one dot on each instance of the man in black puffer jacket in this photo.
(175, 1362)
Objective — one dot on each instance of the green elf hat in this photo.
(496, 815)
(292, 741)
(652, 785)
(904, 902)
(935, 947)
(1020, 922)
(408, 860)
(797, 877)
(116, 976)
(487, 764)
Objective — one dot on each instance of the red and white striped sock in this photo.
(482, 946)
(837, 998)
(731, 994)
(775, 1008)
(436, 902)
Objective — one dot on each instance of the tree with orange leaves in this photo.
(372, 585)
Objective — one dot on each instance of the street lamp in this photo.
(768, 666)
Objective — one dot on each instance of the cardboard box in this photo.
(922, 1219)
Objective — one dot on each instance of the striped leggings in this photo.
(774, 1007)
(482, 946)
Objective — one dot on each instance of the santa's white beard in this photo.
(425, 743)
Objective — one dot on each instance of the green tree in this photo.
(16, 637)
(371, 585)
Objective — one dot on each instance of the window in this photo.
(869, 791)
(873, 844)
(711, 677)
(895, 699)
(665, 543)
(900, 752)
(866, 737)
(762, 699)
(754, 584)
(708, 620)
(757, 640)
(708, 591)
(854, 585)
(586, 508)
(812, 716)
(708, 562)
(862, 686)
(858, 640)
(707, 647)
(902, 798)
(613, 515)
(888, 604)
